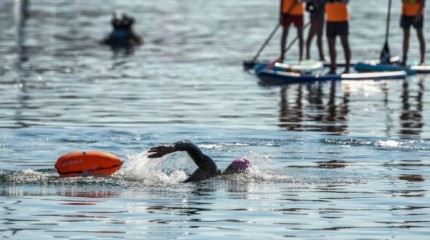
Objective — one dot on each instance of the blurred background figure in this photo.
(123, 36)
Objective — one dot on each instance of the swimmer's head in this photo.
(238, 165)
(121, 20)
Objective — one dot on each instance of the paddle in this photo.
(385, 54)
(272, 64)
(250, 64)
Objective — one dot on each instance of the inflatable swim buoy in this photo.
(89, 163)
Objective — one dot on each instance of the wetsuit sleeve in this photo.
(205, 163)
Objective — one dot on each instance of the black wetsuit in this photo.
(123, 36)
(207, 167)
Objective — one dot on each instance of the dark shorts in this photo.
(407, 21)
(295, 19)
(334, 29)
(317, 18)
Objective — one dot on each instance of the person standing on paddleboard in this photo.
(206, 166)
(413, 15)
(317, 14)
(291, 12)
(337, 18)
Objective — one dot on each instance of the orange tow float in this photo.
(88, 163)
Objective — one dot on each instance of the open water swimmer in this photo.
(207, 167)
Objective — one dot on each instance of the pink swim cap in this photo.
(241, 164)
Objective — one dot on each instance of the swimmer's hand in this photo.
(157, 152)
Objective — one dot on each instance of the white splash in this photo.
(389, 144)
(149, 171)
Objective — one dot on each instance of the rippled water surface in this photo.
(331, 160)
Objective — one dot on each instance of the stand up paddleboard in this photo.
(268, 76)
(307, 66)
(370, 66)
(255, 65)
(89, 163)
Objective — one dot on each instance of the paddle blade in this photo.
(247, 65)
(385, 54)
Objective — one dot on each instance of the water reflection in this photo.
(411, 120)
(90, 194)
(205, 188)
(320, 106)
(412, 178)
(331, 164)
(21, 14)
(323, 112)
(177, 210)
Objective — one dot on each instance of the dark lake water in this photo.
(331, 160)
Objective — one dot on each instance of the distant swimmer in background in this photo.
(317, 12)
(291, 12)
(413, 15)
(337, 18)
(123, 34)
(206, 166)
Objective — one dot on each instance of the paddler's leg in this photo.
(313, 30)
(283, 42)
(405, 24)
(300, 37)
(311, 34)
(347, 51)
(332, 51)
(406, 34)
(331, 40)
(343, 30)
(320, 29)
(420, 36)
(316, 29)
(299, 22)
(318, 21)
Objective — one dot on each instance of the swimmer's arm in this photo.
(157, 152)
(204, 162)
